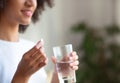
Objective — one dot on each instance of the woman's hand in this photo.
(74, 65)
(31, 62)
(74, 58)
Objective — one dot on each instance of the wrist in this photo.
(20, 79)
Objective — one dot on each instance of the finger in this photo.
(38, 53)
(32, 61)
(40, 60)
(38, 45)
(73, 57)
(34, 49)
(36, 56)
(43, 57)
(74, 63)
(41, 64)
(53, 59)
(73, 53)
(41, 51)
(75, 67)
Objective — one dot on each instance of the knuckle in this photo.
(30, 65)
(35, 48)
(26, 60)
(45, 63)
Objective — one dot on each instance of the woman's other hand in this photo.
(32, 61)
(74, 65)
(73, 58)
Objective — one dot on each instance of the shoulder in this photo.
(26, 42)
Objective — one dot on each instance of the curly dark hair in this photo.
(35, 17)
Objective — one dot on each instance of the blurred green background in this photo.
(100, 58)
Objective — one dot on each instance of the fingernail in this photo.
(38, 45)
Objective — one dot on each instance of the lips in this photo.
(27, 13)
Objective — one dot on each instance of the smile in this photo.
(27, 13)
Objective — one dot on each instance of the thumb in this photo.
(53, 59)
(54, 62)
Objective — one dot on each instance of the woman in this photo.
(20, 60)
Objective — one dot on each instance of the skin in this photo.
(10, 19)
(32, 61)
(74, 65)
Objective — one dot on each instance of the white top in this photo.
(10, 55)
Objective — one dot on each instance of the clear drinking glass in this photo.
(65, 73)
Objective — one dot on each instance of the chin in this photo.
(25, 22)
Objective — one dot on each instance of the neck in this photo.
(8, 30)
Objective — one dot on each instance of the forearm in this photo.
(55, 77)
